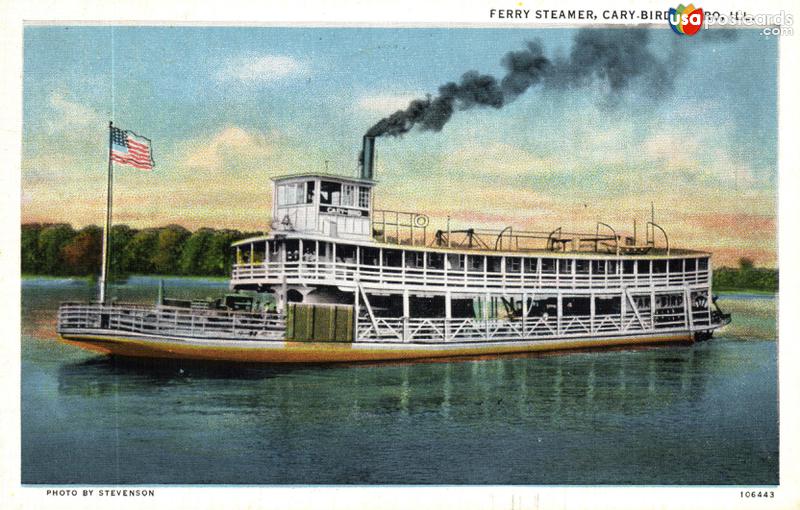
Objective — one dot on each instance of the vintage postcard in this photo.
(490, 255)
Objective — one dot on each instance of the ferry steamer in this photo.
(337, 280)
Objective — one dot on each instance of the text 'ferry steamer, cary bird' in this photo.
(337, 280)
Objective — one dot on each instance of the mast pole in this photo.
(107, 225)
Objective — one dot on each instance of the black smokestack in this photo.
(611, 56)
(367, 158)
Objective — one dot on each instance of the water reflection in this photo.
(558, 387)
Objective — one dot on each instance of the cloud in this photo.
(67, 116)
(232, 148)
(262, 70)
(385, 103)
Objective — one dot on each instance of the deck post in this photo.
(591, 312)
(559, 312)
(622, 309)
(403, 268)
(281, 305)
(652, 303)
(355, 311)
(485, 308)
(380, 265)
(317, 256)
(425, 268)
(524, 312)
(685, 299)
(687, 306)
(406, 314)
(448, 314)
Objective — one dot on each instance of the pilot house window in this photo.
(363, 197)
(330, 192)
(295, 193)
(348, 195)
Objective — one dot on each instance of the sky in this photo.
(229, 107)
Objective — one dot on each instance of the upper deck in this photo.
(326, 232)
(302, 259)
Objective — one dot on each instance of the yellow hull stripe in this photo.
(326, 352)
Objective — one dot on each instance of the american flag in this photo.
(128, 148)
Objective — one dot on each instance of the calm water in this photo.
(702, 414)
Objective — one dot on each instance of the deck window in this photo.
(598, 267)
(612, 267)
(325, 251)
(370, 256)
(573, 306)
(435, 260)
(702, 264)
(530, 265)
(659, 266)
(627, 266)
(548, 266)
(493, 264)
(513, 264)
(582, 266)
(292, 250)
(455, 262)
(643, 266)
(414, 259)
(309, 251)
(345, 253)
(475, 263)
(392, 258)
(565, 266)
(675, 266)
(607, 305)
(690, 265)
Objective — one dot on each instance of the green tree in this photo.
(121, 235)
(217, 260)
(83, 253)
(168, 249)
(31, 259)
(51, 240)
(194, 251)
(139, 251)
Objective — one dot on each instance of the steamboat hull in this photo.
(280, 352)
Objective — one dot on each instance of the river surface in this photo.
(699, 414)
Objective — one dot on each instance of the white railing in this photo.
(170, 321)
(334, 273)
(222, 325)
(439, 330)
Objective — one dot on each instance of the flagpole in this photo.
(107, 226)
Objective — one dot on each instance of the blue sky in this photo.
(229, 107)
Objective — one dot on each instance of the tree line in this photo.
(746, 277)
(61, 250)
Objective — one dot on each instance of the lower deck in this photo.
(173, 332)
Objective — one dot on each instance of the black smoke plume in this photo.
(616, 58)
